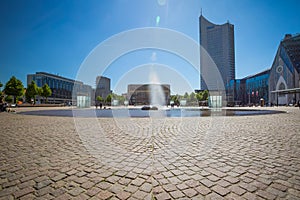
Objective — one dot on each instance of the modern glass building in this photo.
(64, 90)
(218, 42)
(249, 90)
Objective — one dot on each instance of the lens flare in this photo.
(157, 20)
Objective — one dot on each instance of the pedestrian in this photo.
(299, 103)
(100, 105)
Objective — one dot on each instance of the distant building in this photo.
(139, 94)
(102, 87)
(218, 42)
(285, 72)
(64, 90)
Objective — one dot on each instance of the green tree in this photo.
(8, 99)
(99, 98)
(108, 99)
(199, 96)
(46, 91)
(175, 99)
(120, 98)
(14, 87)
(31, 92)
(1, 93)
(205, 95)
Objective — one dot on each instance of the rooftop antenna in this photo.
(201, 12)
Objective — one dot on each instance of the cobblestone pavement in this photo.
(244, 157)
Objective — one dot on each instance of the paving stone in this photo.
(59, 177)
(177, 194)
(23, 192)
(265, 195)
(44, 191)
(249, 196)
(231, 179)
(279, 186)
(26, 197)
(105, 195)
(58, 192)
(220, 190)
(138, 181)
(294, 192)
(162, 196)
(207, 182)
(93, 191)
(157, 190)
(146, 187)
(42, 184)
(213, 178)
(116, 188)
(140, 194)
(87, 185)
(203, 190)
(276, 192)
(182, 186)
(123, 195)
(131, 188)
(237, 190)
(190, 192)
(76, 191)
(104, 185)
(248, 187)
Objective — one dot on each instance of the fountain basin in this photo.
(137, 112)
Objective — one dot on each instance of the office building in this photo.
(102, 87)
(249, 90)
(64, 90)
(217, 41)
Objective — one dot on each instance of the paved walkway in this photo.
(249, 157)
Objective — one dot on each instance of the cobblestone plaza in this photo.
(232, 157)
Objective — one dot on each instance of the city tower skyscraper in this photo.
(218, 42)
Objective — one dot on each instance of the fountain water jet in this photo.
(157, 96)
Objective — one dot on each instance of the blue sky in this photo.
(56, 36)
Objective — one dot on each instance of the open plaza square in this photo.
(214, 157)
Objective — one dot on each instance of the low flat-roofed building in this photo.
(64, 90)
(146, 94)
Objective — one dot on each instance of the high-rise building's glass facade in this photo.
(218, 42)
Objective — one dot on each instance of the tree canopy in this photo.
(99, 98)
(108, 99)
(46, 91)
(14, 87)
(31, 92)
